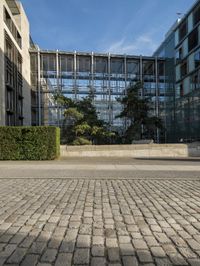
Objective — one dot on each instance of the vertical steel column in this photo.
(39, 89)
(141, 76)
(92, 72)
(109, 90)
(125, 83)
(57, 69)
(125, 73)
(157, 97)
(57, 83)
(142, 84)
(75, 76)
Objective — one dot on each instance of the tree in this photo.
(137, 111)
(81, 124)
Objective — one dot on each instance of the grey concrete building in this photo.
(15, 90)
(187, 77)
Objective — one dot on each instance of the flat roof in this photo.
(96, 54)
(14, 8)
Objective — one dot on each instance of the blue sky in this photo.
(116, 26)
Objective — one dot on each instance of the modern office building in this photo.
(106, 76)
(30, 77)
(187, 77)
(15, 89)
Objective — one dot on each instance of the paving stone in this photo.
(83, 241)
(98, 251)
(111, 243)
(98, 240)
(49, 255)
(130, 261)
(113, 254)
(193, 244)
(127, 249)
(178, 259)
(163, 262)
(139, 244)
(194, 262)
(63, 259)
(158, 252)
(17, 256)
(30, 260)
(37, 247)
(82, 256)
(144, 256)
(98, 261)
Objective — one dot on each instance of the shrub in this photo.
(81, 141)
(29, 143)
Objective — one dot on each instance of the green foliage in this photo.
(29, 143)
(82, 129)
(81, 141)
(81, 122)
(137, 112)
(72, 115)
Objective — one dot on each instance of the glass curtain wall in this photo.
(105, 77)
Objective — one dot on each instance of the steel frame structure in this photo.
(106, 76)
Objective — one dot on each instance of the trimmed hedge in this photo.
(29, 143)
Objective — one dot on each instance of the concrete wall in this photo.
(2, 78)
(22, 25)
(25, 32)
(143, 151)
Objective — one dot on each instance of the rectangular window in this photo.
(10, 101)
(196, 15)
(193, 40)
(8, 49)
(182, 30)
(181, 90)
(179, 55)
(7, 19)
(161, 69)
(10, 24)
(184, 69)
(197, 59)
(19, 39)
(148, 68)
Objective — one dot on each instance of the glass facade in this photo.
(187, 93)
(106, 76)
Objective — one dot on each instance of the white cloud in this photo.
(143, 44)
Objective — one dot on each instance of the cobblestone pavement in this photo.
(99, 222)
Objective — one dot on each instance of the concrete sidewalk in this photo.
(102, 168)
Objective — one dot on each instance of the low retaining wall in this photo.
(141, 150)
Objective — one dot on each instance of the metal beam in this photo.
(39, 89)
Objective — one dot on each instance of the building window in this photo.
(148, 68)
(182, 30)
(10, 24)
(161, 69)
(7, 19)
(10, 100)
(196, 15)
(183, 69)
(19, 63)
(181, 90)
(197, 59)
(179, 55)
(19, 39)
(193, 40)
(8, 50)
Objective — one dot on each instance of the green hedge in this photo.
(29, 143)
